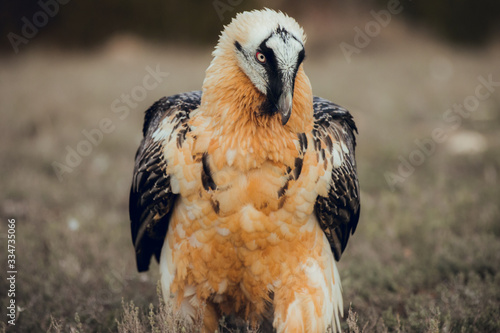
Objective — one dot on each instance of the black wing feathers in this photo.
(338, 213)
(151, 197)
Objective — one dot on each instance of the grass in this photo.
(159, 319)
(425, 257)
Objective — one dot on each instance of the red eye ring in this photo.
(260, 57)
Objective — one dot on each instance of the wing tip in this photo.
(142, 264)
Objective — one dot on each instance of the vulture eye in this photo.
(260, 57)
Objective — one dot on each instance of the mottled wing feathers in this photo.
(334, 141)
(151, 197)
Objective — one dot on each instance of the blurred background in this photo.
(92, 23)
(421, 78)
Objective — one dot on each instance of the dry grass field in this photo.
(425, 256)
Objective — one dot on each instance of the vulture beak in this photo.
(285, 104)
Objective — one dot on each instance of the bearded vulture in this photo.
(246, 192)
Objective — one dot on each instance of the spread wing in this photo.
(334, 142)
(151, 197)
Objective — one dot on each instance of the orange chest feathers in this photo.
(236, 228)
(247, 187)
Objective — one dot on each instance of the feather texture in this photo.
(338, 211)
(151, 196)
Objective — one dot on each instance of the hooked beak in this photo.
(285, 104)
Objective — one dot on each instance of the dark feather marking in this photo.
(281, 202)
(238, 46)
(303, 142)
(329, 143)
(283, 189)
(298, 168)
(206, 175)
(215, 206)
